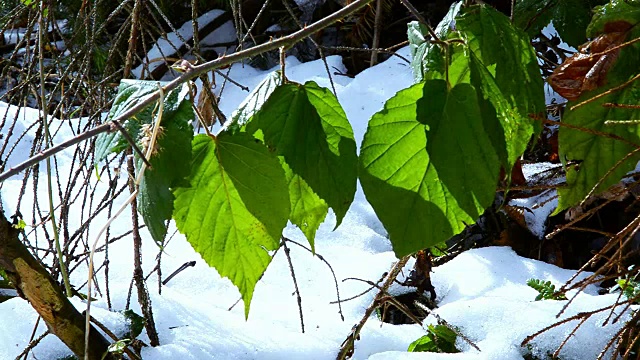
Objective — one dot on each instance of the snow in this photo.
(539, 207)
(483, 292)
(167, 46)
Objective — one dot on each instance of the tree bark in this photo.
(36, 285)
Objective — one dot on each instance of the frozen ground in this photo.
(483, 292)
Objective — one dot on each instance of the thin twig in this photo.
(420, 18)
(376, 33)
(113, 337)
(348, 345)
(613, 89)
(335, 280)
(295, 282)
(193, 73)
(33, 344)
(558, 323)
(373, 286)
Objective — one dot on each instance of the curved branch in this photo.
(192, 73)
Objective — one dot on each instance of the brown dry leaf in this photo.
(587, 69)
(516, 213)
(205, 108)
(617, 192)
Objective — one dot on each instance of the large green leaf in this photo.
(171, 158)
(601, 157)
(498, 60)
(570, 17)
(235, 208)
(254, 101)
(508, 130)
(427, 164)
(508, 53)
(598, 154)
(306, 125)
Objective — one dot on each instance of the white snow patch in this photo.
(483, 292)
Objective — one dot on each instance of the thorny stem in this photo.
(133, 195)
(47, 139)
(193, 73)
(138, 275)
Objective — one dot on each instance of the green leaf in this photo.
(603, 160)
(427, 59)
(439, 339)
(21, 225)
(497, 70)
(4, 280)
(169, 168)
(130, 93)
(570, 17)
(615, 10)
(546, 290)
(308, 210)
(600, 157)
(117, 347)
(169, 163)
(306, 125)
(508, 129)
(254, 101)
(135, 323)
(507, 52)
(235, 208)
(427, 165)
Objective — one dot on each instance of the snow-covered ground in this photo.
(482, 292)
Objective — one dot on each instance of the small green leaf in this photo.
(439, 339)
(546, 290)
(4, 281)
(117, 347)
(254, 101)
(235, 208)
(427, 58)
(21, 225)
(135, 323)
(306, 125)
(427, 164)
